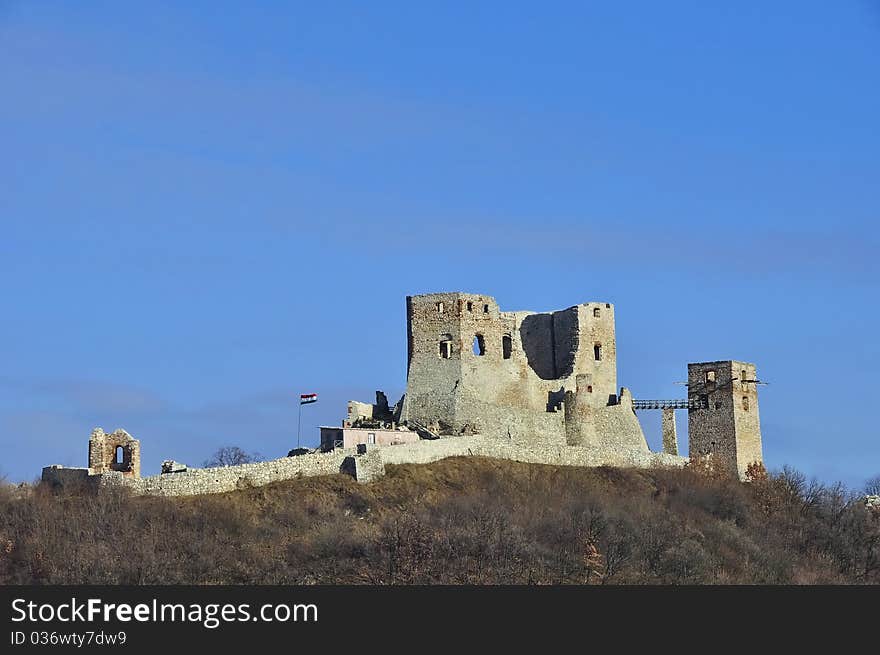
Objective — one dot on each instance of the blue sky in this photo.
(207, 210)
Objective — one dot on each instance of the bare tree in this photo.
(232, 456)
(872, 486)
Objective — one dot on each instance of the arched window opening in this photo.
(440, 307)
(479, 345)
(470, 306)
(597, 351)
(597, 312)
(746, 403)
(506, 346)
(120, 455)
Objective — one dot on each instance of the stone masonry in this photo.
(531, 387)
(117, 451)
(723, 421)
(669, 432)
(521, 376)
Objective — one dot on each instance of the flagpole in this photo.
(299, 422)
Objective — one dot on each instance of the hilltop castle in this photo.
(534, 387)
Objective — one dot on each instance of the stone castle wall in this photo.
(365, 466)
(541, 453)
(208, 480)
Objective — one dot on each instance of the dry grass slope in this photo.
(457, 521)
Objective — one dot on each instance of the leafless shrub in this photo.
(232, 456)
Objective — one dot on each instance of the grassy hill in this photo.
(460, 520)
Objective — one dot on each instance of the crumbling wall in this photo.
(434, 353)
(432, 450)
(550, 342)
(376, 414)
(619, 427)
(501, 422)
(607, 430)
(576, 455)
(366, 466)
(358, 411)
(503, 374)
(230, 478)
(541, 453)
(105, 450)
(536, 336)
(62, 476)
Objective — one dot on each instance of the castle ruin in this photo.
(117, 451)
(533, 387)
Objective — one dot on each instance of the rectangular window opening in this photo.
(445, 346)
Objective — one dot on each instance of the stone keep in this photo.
(723, 416)
(522, 376)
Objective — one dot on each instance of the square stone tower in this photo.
(723, 416)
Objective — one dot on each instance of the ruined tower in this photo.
(117, 451)
(723, 414)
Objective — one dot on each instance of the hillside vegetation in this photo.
(457, 521)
